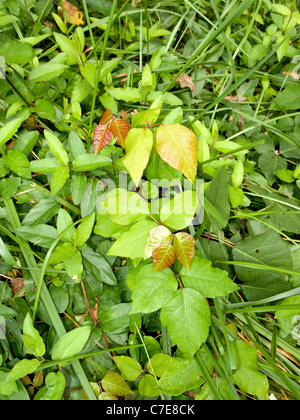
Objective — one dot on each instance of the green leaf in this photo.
(127, 94)
(71, 343)
(179, 212)
(9, 129)
(132, 244)
(138, 147)
(7, 389)
(45, 109)
(152, 290)
(44, 166)
(22, 368)
(41, 235)
(89, 162)
(97, 266)
(130, 369)
(142, 118)
(177, 145)
(55, 383)
(187, 317)
(31, 338)
(42, 212)
(17, 162)
(209, 281)
(56, 148)
(181, 375)
(148, 386)
(159, 363)
(288, 98)
(78, 185)
(115, 384)
(17, 52)
(157, 236)
(247, 376)
(9, 187)
(64, 220)
(74, 266)
(7, 19)
(61, 253)
(59, 178)
(47, 71)
(84, 230)
(67, 46)
(5, 253)
(115, 318)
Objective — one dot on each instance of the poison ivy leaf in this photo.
(138, 148)
(179, 212)
(71, 343)
(159, 363)
(152, 290)
(209, 281)
(125, 207)
(247, 376)
(158, 235)
(163, 257)
(56, 148)
(148, 386)
(181, 375)
(184, 247)
(115, 318)
(115, 384)
(102, 136)
(119, 129)
(177, 145)
(132, 244)
(143, 118)
(187, 317)
(130, 369)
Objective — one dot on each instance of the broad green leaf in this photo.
(181, 375)
(209, 281)
(187, 317)
(90, 197)
(56, 148)
(138, 147)
(67, 45)
(247, 376)
(41, 235)
(71, 343)
(159, 363)
(115, 384)
(64, 220)
(9, 187)
(17, 52)
(157, 236)
(22, 368)
(115, 318)
(55, 383)
(84, 230)
(7, 389)
(236, 197)
(217, 206)
(45, 109)
(184, 247)
(179, 212)
(62, 252)
(42, 212)
(132, 244)
(78, 185)
(125, 207)
(59, 178)
(130, 369)
(142, 118)
(7, 19)
(148, 386)
(74, 266)
(288, 98)
(89, 162)
(127, 94)
(281, 9)
(288, 313)
(32, 340)
(5, 253)
(9, 129)
(44, 166)
(177, 145)
(163, 257)
(47, 71)
(76, 145)
(152, 290)
(17, 162)
(97, 266)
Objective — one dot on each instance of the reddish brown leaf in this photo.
(186, 81)
(184, 247)
(106, 117)
(124, 114)
(163, 257)
(120, 130)
(102, 136)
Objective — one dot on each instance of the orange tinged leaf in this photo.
(177, 145)
(102, 136)
(120, 128)
(106, 117)
(163, 257)
(72, 14)
(184, 247)
(158, 235)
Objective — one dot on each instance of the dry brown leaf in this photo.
(292, 74)
(186, 81)
(71, 13)
(17, 284)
